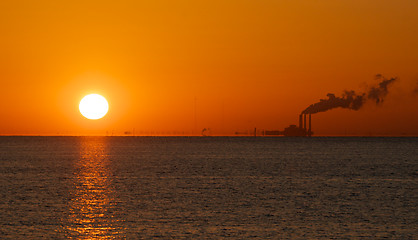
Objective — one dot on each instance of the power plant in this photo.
(349, 100)
(295, 131)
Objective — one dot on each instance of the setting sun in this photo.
(204, 119)
(93, 106)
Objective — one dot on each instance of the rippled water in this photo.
(214, 187)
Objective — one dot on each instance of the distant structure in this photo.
(206, 132)
(349, 100)
(293, 130)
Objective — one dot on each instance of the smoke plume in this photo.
(351, 99)
(415, 91)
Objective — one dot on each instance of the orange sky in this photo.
(174, 67)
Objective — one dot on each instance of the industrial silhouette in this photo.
(295, 131)
(349, 99)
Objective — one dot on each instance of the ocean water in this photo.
(208, 188)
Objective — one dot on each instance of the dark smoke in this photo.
(415, 91)
(351, 99)
(379, 92)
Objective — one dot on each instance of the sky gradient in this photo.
(176, 67)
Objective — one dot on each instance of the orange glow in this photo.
(178, 67)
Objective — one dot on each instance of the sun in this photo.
(93, 106)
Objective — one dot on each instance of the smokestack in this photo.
(304, 122)
(300, 121)
(310, 130)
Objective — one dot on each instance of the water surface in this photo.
(208, 187)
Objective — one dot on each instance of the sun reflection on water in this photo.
(92, 206)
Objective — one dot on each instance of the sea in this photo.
(208, 187)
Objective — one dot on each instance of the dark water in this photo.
(210, 188)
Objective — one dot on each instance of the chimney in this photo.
(304, 122)
(300, 121)
(310, 130)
